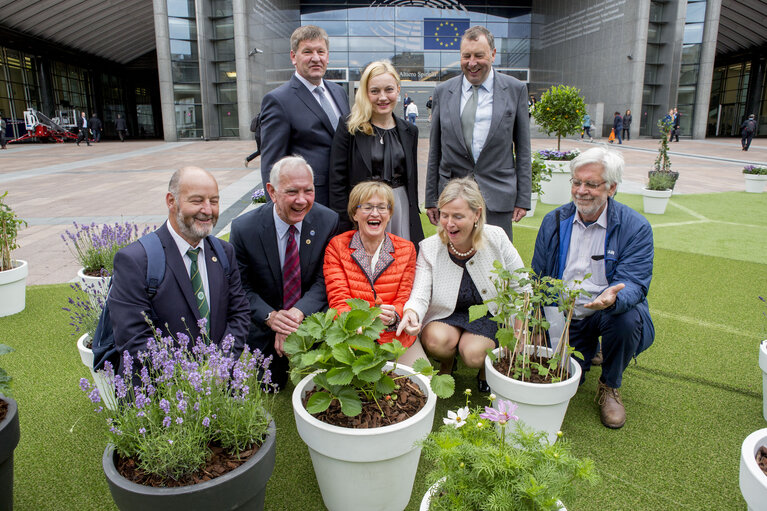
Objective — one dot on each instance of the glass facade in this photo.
(225, 78)
(729, 96)
(690, 68)
(185, 68)
(652, 70)
(422, 42)
(18, 88)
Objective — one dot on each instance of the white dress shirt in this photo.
(310, 86)
(282, 235)
(587, 241)
(484, 113)
(183, 246)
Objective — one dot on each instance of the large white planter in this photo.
(93, 286)
(434, 488)
(755, 182)
(13, 288)
(533, 202)
(106, 389)
(763, 366)
(542, 406)
(370, 469)
(557, 190)
(753, 482)
(655, 201)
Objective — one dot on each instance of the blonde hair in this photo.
(362, 110)
(467, 189)
(363, 191)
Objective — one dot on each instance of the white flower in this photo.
(457, 419)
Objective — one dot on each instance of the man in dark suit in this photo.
(478, 126)
(82, 126)
(300, 116)
(280, 248)
(192, 201)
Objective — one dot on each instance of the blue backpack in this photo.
(104, 338)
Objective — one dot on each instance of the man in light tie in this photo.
(480, 129)
(300, 116)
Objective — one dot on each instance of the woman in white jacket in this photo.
(454, 272)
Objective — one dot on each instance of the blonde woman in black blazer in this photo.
(374, 144)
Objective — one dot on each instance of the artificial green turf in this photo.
(691, 399)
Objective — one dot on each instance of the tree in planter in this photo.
(660, 181)
(9, 225)
(663, 162)
(560, 110)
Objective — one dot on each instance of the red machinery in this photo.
(41, 127)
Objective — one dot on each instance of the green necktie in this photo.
(197, 287)
(467, 118)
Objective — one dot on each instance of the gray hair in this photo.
(475, 32)
(287, 163)
(174, 186)
(611, 161)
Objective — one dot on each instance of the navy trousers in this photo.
(620, 334)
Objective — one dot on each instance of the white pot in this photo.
(557, 190)
(13, 288)
(753, 482)
(434, 488)
(655, 201)
(533, 202)
(370, 469)
(755, 182)
(541, 406)
(106, 389)
(93, 286)
(763, 366)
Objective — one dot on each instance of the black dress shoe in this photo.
(482, 385)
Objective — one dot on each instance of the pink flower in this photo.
(503, 414)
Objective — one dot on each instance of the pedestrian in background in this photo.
(627, 125)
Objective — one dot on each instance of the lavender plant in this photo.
(85, 306)
(486, 460)
(755, 169)
(259, 196)
(180, 397)
(552, 155)
(94, 246)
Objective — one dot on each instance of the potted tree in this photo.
(94, 247)
(359, 412)
(189, 412)
(753, 469)
(539, 379)
(560, 110)
(556, 189)
(13, 272)
(487, 460)
(84, 310)
(756, 178)
(656, 194)
(662, 164)
(541, 174)
(9, 435)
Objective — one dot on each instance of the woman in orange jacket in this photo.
(372, 264)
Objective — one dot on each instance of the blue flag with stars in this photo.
(443, 33)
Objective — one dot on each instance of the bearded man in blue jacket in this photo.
(596, 235)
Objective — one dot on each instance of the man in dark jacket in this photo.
(747, 130)
(96, 126)
(83, 133)
(618, 127)
(121, 127)
(611, 243)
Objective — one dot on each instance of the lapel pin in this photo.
(214, 259)
(308, 242)
(311, 233)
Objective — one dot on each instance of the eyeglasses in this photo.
(591, 186)
(368, 208)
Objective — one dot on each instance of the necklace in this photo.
(460, 254)
(379, 133)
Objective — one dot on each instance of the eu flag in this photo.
(443, 33)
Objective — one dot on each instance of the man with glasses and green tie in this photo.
(201, 284)
(609, 248)
(479, 129)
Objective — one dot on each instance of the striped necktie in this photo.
(291, 271)
(197, 287)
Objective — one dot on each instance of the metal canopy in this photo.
(116, 30)
(742, 26)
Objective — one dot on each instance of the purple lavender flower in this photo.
(165, 405)
(181, 406)
(202, 324)
(206, 422)
(85, 385)
(121, 390)
(227, 342)
(142, 431)
(179, 420)
(94, 395)
(166, 421)
(196, 406)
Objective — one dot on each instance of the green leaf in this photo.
(362, 343)
(340, 376)
(295, 344)
(358, 304)
(343, 353)
(385, 385)
(356, 319)
(351, 405)
(372, 374)
(477, 311)
(364, 362)
(423, 366)
(309, 359)
(319, 402)
(395, 347)
(335, 335)
(443, 385)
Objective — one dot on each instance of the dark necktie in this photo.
(291, 271)
(197, 287)
(320, 91)
(467, 118)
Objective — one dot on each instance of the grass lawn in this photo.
(690, 402)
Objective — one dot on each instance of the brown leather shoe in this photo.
(611, 408)
(597, 360)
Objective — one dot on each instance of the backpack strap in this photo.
(155, 262)
(218, 248)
